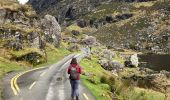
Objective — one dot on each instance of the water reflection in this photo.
(155, 61)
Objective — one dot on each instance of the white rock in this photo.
(134, 60)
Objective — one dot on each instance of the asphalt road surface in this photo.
(46, 83)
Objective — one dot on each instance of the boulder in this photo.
(33, 58)
(52, 30)
(111, 65)
(76, 33)
(82, 23)
(14, 45)
(166, 73)
(34, 39)
(73, 47)
(87, 74)
(108, 54)
(147, 71)
(124, 16)
(89, 40)
(109, 19)
(134, 60)
(2, 16)
(70, 40)
(115, 65)
(104, 63)
(128, 64)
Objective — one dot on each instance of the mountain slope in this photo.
(138, 26)
(62, 9)
(141, 25)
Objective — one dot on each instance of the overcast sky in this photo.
(23, 1)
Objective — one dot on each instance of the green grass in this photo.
(55, 54)
(123, 90)
(5, 67)
(74, 27)
(26, 51)
(99, 90)
(142, 94)
(108, 9)
(150, 94)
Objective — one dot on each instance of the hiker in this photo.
(74, 70)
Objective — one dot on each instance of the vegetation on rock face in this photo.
(15, 6)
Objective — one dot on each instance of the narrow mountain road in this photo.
(46, 83)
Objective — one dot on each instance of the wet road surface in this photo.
(48, 83)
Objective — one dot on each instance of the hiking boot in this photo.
(72, 97)
(77, 98)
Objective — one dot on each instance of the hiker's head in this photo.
(74, 61)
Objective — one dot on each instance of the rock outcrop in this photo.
(134, 60)
(111, 65)
(108, 54)
(52, 30)
(24, 34)
(158, 82)
(89, 40)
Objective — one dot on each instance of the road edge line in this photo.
(14, 86)
(86, 97)
(42, 74)
(32, 85)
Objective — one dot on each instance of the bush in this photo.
(112, 88)
(103, 79)
(111, 81)
(92, 80)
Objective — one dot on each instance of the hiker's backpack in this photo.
(74, 73)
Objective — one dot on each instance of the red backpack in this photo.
(74, 73)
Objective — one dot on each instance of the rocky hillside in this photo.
(70, 9)
(126, 24)
(138, 26)
(23, 35)
(66, 9)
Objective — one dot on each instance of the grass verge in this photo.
(100, 90)
(7, 66)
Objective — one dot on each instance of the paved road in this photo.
(48, 83)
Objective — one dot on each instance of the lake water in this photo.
(156, 62)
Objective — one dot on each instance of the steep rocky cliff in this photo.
(70, 9)
(23, 35)
(66, 9)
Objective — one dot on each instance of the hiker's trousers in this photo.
(74, 87)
